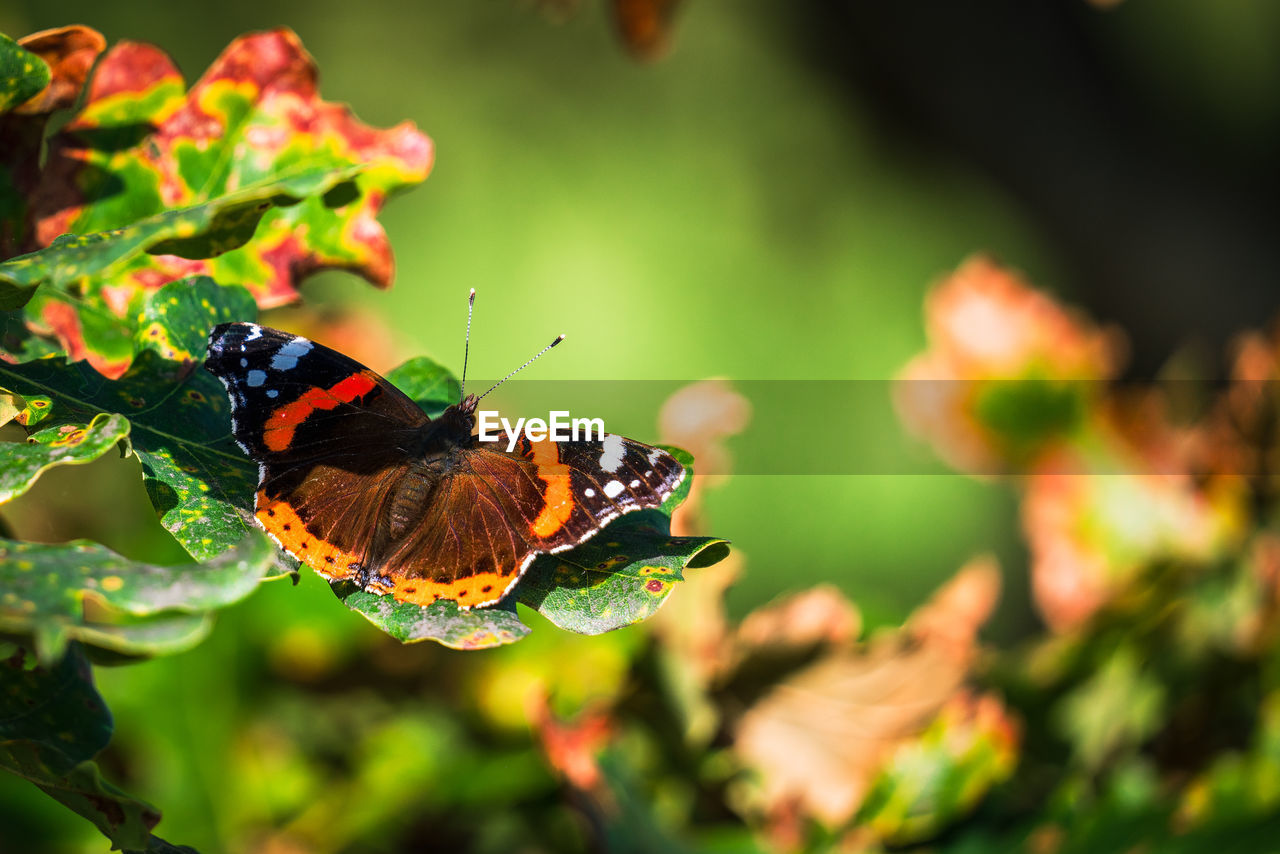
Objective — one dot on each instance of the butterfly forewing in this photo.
(295, 406)
(292, 398)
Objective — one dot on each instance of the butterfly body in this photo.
(361, 485)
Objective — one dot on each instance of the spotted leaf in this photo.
(22, 74)
(46, 587)
(69, 52)
(442, 621)
(179, 428)
(176, 319)
(22, 410)
(72, 443)
(619, 577)
(178, 417)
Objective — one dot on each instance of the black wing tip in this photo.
(226, 338)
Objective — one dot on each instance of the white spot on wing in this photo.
(271, 392)
(635, 483)
(611, 458)
(589, 492)
(601, 522)
(613, 488)
(255, 332)
(654, 456)
(244, 363)
(256, 378)
(289, 354)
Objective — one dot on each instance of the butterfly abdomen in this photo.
(408, 498)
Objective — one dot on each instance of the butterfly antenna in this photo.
(559, 338)
(466, 347)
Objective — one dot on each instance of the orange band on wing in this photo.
(281, 521)
(283, 423)
(484, 588)
(558, 500)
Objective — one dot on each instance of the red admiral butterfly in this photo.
(355, 481)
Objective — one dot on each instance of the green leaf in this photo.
(57, 704)
(203, 230)
(178, 416)
(46, 586)
(20, 344)
(21, 463)
(249, 177)
(1119, 706)
(123, 819)
(22, 74)
(130, 640)
(442, 621)
(1026, 415)
(52, 721)
(619, 577)
(156, 845)
(27, 412)
(930, 782)
(428, 383)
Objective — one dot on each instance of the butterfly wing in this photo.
(296, 409)
(587, 484)
(497, 510)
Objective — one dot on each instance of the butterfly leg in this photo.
(371, 580)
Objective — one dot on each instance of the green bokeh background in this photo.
(731, 210)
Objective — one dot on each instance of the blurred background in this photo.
(766, 196)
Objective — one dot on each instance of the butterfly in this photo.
(357, 482)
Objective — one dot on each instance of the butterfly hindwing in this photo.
(587, 484)
(497, 511)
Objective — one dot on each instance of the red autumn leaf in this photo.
(141, 147)
(69, 53)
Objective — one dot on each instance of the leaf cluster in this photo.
(152, 213)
